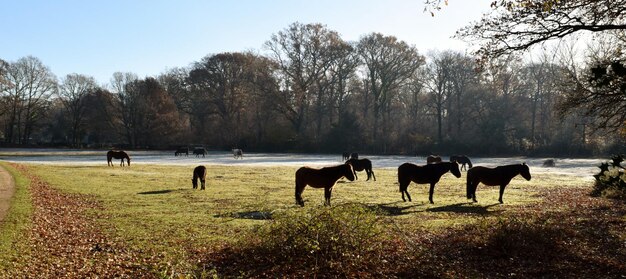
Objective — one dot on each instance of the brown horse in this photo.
(427, 174)
(461, 159)
(117, 154)
(199, 173)
(501, 175)
(431, 159)
(360, 165)
(321, 178)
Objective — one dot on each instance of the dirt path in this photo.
(7, 189)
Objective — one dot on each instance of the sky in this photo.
(147, 37)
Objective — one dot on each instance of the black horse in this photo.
(427, 174)
(321, 178)
(501, 176)
(181, 151)
(199, 173)
(199, 151)
(345, 156)
(117, 154)
(432, 159)
(461, 159)
(360, 165)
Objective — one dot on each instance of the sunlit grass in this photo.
(16, 222)
(155, 208)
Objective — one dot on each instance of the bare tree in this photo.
(26, 99)
(127, 111)
(302, 54)
(72, 93)
(388, 64)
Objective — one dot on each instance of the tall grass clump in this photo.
(611, 180)
(333, 241)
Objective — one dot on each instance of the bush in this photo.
(338, 241)
(611, 180)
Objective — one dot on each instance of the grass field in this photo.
(172, 230)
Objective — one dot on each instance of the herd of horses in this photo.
(430, 173)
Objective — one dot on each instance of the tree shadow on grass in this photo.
(466, 207)
(253, 215)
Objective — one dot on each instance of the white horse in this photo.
(237, 153)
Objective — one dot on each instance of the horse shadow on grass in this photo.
(158, 192)
(393, 209)
(464, 208)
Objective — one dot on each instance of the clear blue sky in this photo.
(146, 37)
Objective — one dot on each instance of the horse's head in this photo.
(524, 171)
(454, 169)
(194, 182)
(128, 160)
(348, 171)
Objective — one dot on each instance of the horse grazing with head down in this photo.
(199, 151)
(199, 173)
(501, 176)
(360, 165)
(237, 153)
(427, 174)
(321, 178)
(461, 159)
(181, 151)
(431, 159)
(117, 154)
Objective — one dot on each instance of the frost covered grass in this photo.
(244, 210)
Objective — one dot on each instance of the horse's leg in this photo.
(431, 192)
(474, 186)
(327, 192)
(373, 176)
(299, 189)
(501, 192)
(354, 172)
(203, 181)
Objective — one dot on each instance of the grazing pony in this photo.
(549, 163)
(199, 151)
(360, 165)
(427, 174)
(431, 159)
(117, 154)
(461, 159)
(321, 178)
(501, 175)
(345, 156)
(181, 151)
(238, 153)
(199, 173)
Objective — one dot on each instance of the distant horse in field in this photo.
(501, 175)
(117, 154)
(199, 151)
(345, 156)
(199, 173)
(427, 174)
(354, 155)
(237, 153)
(181, 151)
(321, 178)
(360, 165)
(431, 159)
(549, 163)
(461, 159)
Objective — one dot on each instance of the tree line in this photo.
(312, 91)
